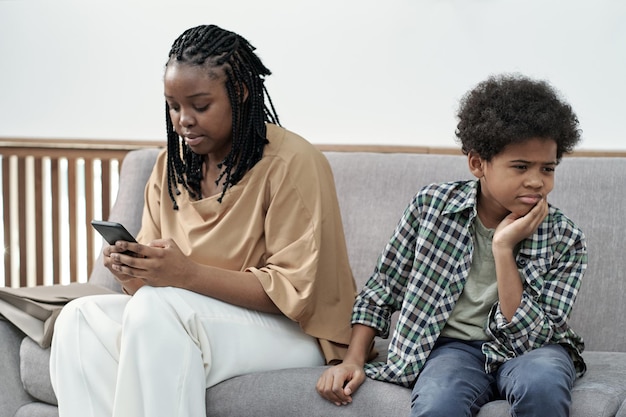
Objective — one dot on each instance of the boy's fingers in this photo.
(330, 386)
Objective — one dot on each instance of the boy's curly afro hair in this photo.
(508, 109)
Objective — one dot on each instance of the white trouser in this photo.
(154, 354)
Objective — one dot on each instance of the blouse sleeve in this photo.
(307, 273)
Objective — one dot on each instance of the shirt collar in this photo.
(464, 198)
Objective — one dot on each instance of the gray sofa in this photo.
(373, 190)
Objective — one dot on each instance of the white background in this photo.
(344, 71)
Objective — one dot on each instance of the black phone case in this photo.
(112, 232)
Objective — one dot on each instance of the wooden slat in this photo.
(39, 213)
(72, 204)
(6, 208)
(89, 210)
(106, 188)
(55, 190)
(21, 198)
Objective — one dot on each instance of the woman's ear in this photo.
(476, 164)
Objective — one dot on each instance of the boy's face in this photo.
(515, 179)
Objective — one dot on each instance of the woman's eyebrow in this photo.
(191, 96)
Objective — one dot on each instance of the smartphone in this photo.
(112, 231)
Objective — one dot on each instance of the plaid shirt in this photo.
(423, 269)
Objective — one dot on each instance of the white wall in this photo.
(345, 71)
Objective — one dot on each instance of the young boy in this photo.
(483, 272)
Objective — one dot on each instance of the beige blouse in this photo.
(281, 222)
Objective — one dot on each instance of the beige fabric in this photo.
(281, 222)
(34, 310)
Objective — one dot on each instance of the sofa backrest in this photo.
(590, 190)
(128, 207)
(374, 189)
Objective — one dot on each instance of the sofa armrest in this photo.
(128, 207)
(12, 393)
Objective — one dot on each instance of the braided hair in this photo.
(214, 47)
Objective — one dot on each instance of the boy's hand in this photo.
(510, 232)
(514, 228)
(338, 383)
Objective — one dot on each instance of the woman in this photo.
(241, 267)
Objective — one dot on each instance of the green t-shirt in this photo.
(469, 316)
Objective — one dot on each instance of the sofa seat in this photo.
(599, 393)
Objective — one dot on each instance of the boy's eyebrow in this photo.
(523, 161)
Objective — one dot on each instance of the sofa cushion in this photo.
(37, 410)
(291, 392)
(12, 394)
(602, 390)
(622, 410)
(35, 371)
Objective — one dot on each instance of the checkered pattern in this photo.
(423, 269)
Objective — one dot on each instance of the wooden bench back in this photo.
(51, 190)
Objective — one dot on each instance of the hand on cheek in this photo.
(514, 228)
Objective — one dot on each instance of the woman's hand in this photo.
(163, 264)
(159, 264)
(112, 263)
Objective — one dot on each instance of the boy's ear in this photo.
(476, 164)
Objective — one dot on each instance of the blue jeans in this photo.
(453, 382)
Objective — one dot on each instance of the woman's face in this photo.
(200, 108)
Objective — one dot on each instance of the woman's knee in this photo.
(72, 313)
(91, 311)
(155, 311)
(145, 310)
(69, 316)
